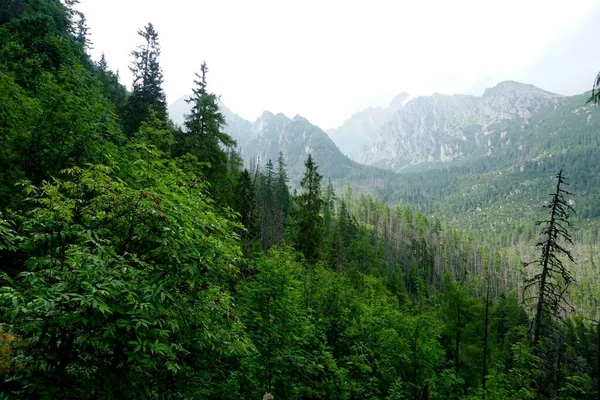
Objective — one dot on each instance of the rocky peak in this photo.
(440, 128)
(266, 115)
(398, 102)
(513, 88)
(361, 127)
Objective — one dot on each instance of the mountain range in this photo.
(470, 158)
(358, 130)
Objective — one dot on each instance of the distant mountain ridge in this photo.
(358, 130)
(476, 159)
(442, 128)
(296, 137)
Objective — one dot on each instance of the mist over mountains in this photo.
(358, 130)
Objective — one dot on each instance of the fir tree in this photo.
(203, 136)
(310, 222)
(103, 64)
(245, 205)
(147, 90)
(267, 206)
(329, 209)
(82, 32)
(282, 198)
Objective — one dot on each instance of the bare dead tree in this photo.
(552, 280)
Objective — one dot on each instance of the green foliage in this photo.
(310, 221)
(280, 328)
(53, 113)
(147, 94)
(121, 282)
(245, 205)
(126, 274)
(203, 136)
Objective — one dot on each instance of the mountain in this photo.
(295, 137)
(498, 171)
(483, 161)
(359, 129)
(178, 109)
(442, 128)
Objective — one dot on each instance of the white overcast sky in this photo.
(325, 59)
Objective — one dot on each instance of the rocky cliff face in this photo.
(443, 128)
(359, 130)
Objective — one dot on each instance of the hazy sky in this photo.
(326, 59)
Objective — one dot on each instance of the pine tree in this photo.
(147, 90)
(310, 224)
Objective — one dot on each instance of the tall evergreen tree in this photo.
(282, 198)
(267, 206)
(245, 205)
(147, 90)
(82, 32)
(203, 136)
(329, 209)
(103, 64)
(310, 221)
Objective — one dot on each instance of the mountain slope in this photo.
(507, 174)
(482, 161)
(360, 128)
(443, 128)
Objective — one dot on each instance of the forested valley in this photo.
(142, 259)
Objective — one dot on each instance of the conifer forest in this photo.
(147, 258)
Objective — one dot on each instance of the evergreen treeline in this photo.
(141, 260)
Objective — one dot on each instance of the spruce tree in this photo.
(310, 222)
(245, 205)
(82, 32)
(282, 198)
(329, 209)
(103, 64)
(267, 206)
(203, 136)
(147, 92)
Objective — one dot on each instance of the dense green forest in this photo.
(140, 259)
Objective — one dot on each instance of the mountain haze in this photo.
(359, 129)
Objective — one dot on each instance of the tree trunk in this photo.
(546, 258)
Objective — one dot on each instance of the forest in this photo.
(141, 259)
